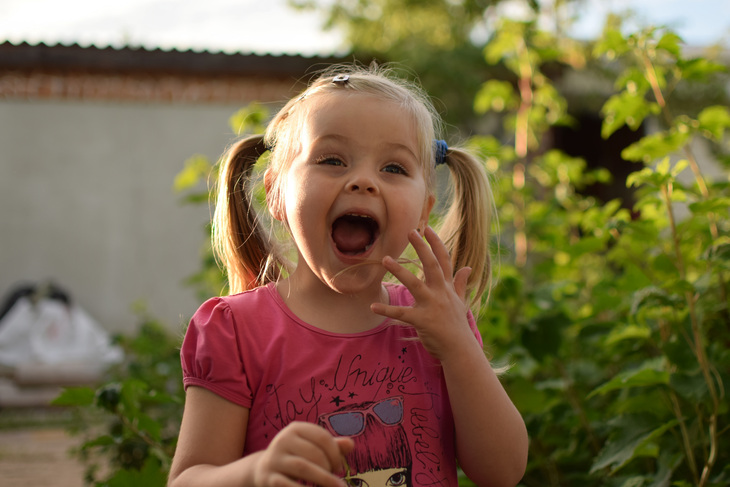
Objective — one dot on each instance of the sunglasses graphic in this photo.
(388, 412)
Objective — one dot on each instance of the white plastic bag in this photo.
(50, 332)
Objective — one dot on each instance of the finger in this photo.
(346, 445)
(461, 278)
(433, 271)
(399, 313)
(309, 443)
(324, 446)
(440, 251)
(406, 277)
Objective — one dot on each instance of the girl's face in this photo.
(389, 477)
(354, 190)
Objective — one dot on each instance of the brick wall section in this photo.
(72, 85)
(91, 73)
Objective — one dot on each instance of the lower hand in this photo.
(302, 452)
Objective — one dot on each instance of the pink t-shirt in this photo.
(379, 387)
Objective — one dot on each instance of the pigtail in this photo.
(239, 241)
(466, 226)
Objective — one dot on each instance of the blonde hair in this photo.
(246, 249)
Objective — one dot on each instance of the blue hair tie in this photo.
(440, 152)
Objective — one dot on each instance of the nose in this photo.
(362, 182)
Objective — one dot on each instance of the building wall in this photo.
(90, 143)
(86, 200)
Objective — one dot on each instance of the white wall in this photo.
(86, 199)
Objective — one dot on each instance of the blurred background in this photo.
(103, 102)
(603, 123)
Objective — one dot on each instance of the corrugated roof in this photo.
(26, 56)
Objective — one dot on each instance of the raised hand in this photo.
(302, 452)
(439, 314)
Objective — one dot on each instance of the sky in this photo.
(270, 26)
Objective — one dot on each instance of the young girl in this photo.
(308, 371)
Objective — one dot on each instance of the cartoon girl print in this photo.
(382, 457)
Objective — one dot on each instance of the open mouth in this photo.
(354, 234)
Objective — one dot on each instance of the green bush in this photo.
(129, 424)
(615, 320)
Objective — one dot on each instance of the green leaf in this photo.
(690, 386)
(612, 44)
(714, 120)
(711, 205)
(528, 398)
(656, 146)
(195, 169)
(639, 178)
(625, 109)
(649, 374)
(718, 253)
(630, 439)
(150, 475)
(510, 34)
(628, 332)
(250, 119)
(148, 426)
(496, 96)
(651, 296)
(636, 481)
(75, 396)
(699, 69)
(104, 440)
(670, 42)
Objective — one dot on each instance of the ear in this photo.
(425, 213)
(273, 200)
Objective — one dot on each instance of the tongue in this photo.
(352, 234)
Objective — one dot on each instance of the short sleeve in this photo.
(211, 354)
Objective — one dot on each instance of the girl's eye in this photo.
(330, 161)
(395, 169)
(397, 479)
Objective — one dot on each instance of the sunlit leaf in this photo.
(195, 170)
(628, 332)
(612, 44)
(715, 120)
(670, 42)
(625, 109)
(656, 146)
(495, 95)
(250, 119)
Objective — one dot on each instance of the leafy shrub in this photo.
(130, 423)
(615, 319)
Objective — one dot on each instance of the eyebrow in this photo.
(347, 140)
